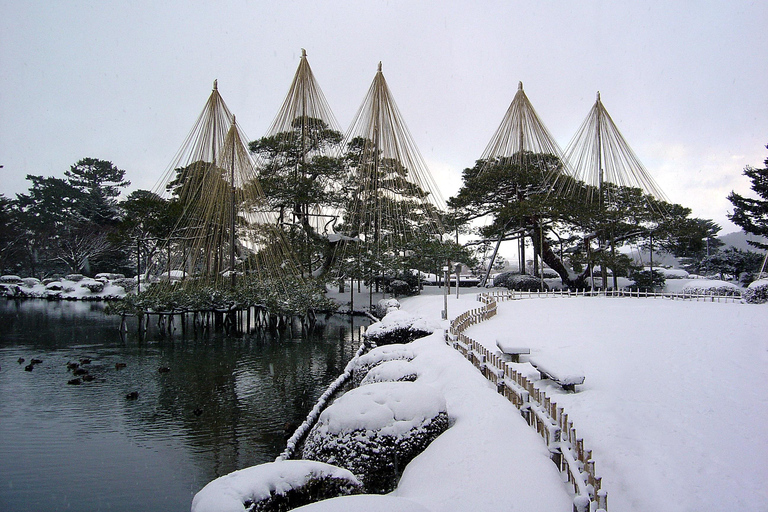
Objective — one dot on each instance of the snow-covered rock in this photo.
(275, 486)
(672, 273)
(9, 279)
(385, 306)
(376, 430)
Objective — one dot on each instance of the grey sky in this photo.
(686, 82)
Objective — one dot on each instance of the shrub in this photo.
(519, 282)
(757, 293)
(376, 430)
(647, 281)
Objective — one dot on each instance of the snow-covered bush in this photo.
(384, 306)
(397, 370)
(275, 487)
(757, 292)
(673, 273)
(376, 430)
(711, 287)
(519, 282)
(8, 279)
(92, 285)
(647, 280)
(399, 327)
(74, 277)
(377, 356)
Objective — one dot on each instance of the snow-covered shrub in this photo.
(92, 285)
(397, 370)
(107, 276)
(376, 430)
(647, 280)
(377, 356)
(8, 279)
(757, 292)
(711, 287)
(54, 286)
(384, 306)
(29, 282)
(519, 282)
(276, 486)
(673, 273)
(399, 327)
(74, 277)
(126, 283)
(9, 290)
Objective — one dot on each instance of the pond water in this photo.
(224, 405)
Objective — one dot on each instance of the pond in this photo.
(220, 403)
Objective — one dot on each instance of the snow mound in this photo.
(384, 306)
(673, 273)
(391, 371)
(375, 357)
(398, 326)
(376, 430)
(364, 503)
(711, 287)
(268, 486)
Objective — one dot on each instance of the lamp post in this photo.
(446, 276)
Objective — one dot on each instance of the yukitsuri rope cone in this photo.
(602, 160)
(223, 237)
(393, 205)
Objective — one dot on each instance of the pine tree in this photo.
(751, 214)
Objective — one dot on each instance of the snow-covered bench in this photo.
(511, 352)
(552, 368)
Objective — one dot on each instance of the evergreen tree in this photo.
(751, 214)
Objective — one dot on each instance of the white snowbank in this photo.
(364, 503)
(229, 492)
(674, 402)
(390, 371)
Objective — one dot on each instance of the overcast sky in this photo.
(686, 82)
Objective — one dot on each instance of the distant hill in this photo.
(738, 239)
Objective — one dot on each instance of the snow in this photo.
(758, 283)
(398, 319)
(390, 408)
(229, 492)
(76, 288)
(390, 371)
(673, 405)
(364, 503)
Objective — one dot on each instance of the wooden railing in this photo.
(550, 421)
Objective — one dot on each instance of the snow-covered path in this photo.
(674, 404)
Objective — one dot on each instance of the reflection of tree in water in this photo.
(246, 389)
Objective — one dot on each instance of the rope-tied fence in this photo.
(550, 421)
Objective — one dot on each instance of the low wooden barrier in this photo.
(550, 421)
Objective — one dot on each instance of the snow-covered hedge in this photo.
(757, 292)
(384, 306)
(73, 287)
(376, 430)
(276, 486)
(391, 371)
(672, 273)
(519, 282)
(399, 327)
(711, 287)
(377, 356)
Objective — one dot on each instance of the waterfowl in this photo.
(163, 369)
(72, 366)
(119, 365)
(85, 360)
(80, 371)
(20, 360)
(73, 382)
(88, 378)
(133, 395)
(197, 412)
(36, 361)
(29, 367)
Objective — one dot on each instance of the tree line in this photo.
(80, 223)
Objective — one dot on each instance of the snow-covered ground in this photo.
(674, 404)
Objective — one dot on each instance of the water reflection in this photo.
(222, 406)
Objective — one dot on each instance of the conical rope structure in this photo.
(523, 140)
(393, 203)
(602, 160)
(223, 238)
(300, 166)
